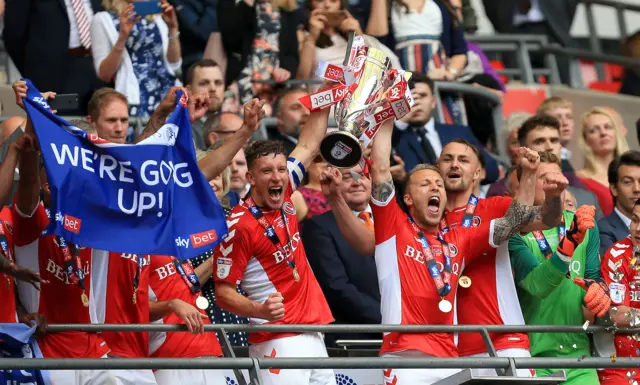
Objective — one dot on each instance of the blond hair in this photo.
(553, 103)
(226, 173)
(621, 142)
(114, 5)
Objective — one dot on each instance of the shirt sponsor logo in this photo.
(288, 249)
(59, 272)
(224, 267)
(72, 224)
(204, 238)
(166, 270)
(416, 255)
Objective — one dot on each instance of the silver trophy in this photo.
(342, 148)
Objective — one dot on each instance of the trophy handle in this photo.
(352, 36)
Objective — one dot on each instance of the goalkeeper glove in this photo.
(583, 220)
(597, 298)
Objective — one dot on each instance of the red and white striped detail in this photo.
(82, 21)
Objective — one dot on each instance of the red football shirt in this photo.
(7, 283)
(166, 284)
(618, 272)
(247, 257)
(112, 289)
(492, 298)
(60, 301)
(408, 293)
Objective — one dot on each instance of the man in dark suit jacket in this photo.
(291, 115)
(552, 18)
(43, 40)
(348, 279)
(419, 139)
(624, 183)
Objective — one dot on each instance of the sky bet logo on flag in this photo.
(148, 198)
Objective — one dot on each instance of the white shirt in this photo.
(74, 34)
(368, 209)
(431, 134)
(627, 221)
(534, 15)
(565, 153)
(427, 22)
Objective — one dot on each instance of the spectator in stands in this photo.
(198, 19)
(624, 183)
(260, 41)
(618, 119)
(569, 202)
(601, 142)
(347, 277)
(324, 41)
(291, 115)
(561, 109)
(546, 296)
(221, 126)
(550, 18)
(205, 76)
(631, 77)
(542, 133)
(309, 199)
(50, 44)
(419, 139)
(239, 186)
(141, 55)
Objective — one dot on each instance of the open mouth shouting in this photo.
(275, 193)
(454, 176)
(433, 205)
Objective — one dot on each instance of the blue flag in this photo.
(148, 198)
(16, 341)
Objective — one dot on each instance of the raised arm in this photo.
(521, 211)
(311, 135)
(215, 162)
(550, 213)
(381, 180)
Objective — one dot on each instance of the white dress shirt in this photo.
(627, 221)
(74, 34)
(534, 15)
(431, 134)
(368, 209)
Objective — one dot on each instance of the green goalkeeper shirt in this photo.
(547, 296)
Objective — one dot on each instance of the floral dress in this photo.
(144, 46)
(264, 57)
(215, 313)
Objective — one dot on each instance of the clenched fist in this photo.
(253, 114)
(528, 159)
(273, 307)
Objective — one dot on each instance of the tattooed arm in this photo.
(382, 186)
(550, 213)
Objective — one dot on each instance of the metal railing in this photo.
(594, 40)
(505, 366)
(521, 46)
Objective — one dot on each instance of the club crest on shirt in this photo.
(289, 208)
(476, 221)
(224, 267)
(454, 249)
(9, 228)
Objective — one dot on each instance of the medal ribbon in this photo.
(440, 279)
(71, 259)
(4, 245)
(467, 220)
(543, 244)
(136, 277)
(270, 230)
(188, 275)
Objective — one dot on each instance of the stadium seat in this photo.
(613, 86)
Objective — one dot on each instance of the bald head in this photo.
(8, 127)
(224, 125)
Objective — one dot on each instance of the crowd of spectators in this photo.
(229, 53)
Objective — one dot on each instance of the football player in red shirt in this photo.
(263, 252)
(487, 294)
(418, 266)
(620, 270)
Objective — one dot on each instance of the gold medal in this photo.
(465, 281)
(85, 299)
(202, 303)
(296, 275)
(445, 306)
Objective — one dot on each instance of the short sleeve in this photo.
(386, 216)
(475, 241)
(498, 206)
(28, 227)
(613, 263)
(233, 254)
(297, 173)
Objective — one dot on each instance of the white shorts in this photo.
(303, 345)
(190, 377)
(81, 377)
(415, 376)
(511, 352)
(133, 377)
